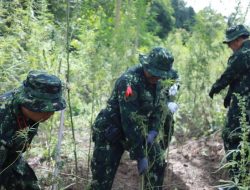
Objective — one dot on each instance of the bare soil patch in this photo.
(191, 166)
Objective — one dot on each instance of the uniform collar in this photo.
(17, 112)
(15, 105)
(246, 43)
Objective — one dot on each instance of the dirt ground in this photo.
(191, 166)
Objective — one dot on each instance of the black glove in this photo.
(227, 101)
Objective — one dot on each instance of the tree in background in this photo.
(160, 20)
(184, 16)
(199, 56)
(105, 39)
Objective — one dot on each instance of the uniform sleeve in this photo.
(3, 149)
(163, 120)
(239, 65)
(155, 119)
(3, 153)
(131, 121)
(174, 89)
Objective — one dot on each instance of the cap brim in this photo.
(45, 106)
(41, 105)
(227, 40)
(143, 59)
(155, 72)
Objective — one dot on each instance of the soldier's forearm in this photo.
(3, 155)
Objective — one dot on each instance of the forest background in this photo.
(88, 44)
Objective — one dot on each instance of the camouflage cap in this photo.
(41, 92)
(158, 62)
(234, 32)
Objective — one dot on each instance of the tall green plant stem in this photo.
(58, 149)
(91, 123)
(68, 90)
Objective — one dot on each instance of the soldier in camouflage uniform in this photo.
(237, 78)
(133, 119)
(21, 110)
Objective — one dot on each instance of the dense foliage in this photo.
(105, 38)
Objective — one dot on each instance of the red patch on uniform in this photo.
(129, 92)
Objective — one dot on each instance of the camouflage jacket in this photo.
(135, 105)
(237, 73)
(16, 132)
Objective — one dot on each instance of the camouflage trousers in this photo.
(232, 139)
(18, 176)
(106, 159)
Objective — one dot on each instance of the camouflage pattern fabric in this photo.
(234, 32)
(158, 62)
(237, 76)
(41, 92)
(16, 134)
(134, 108)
